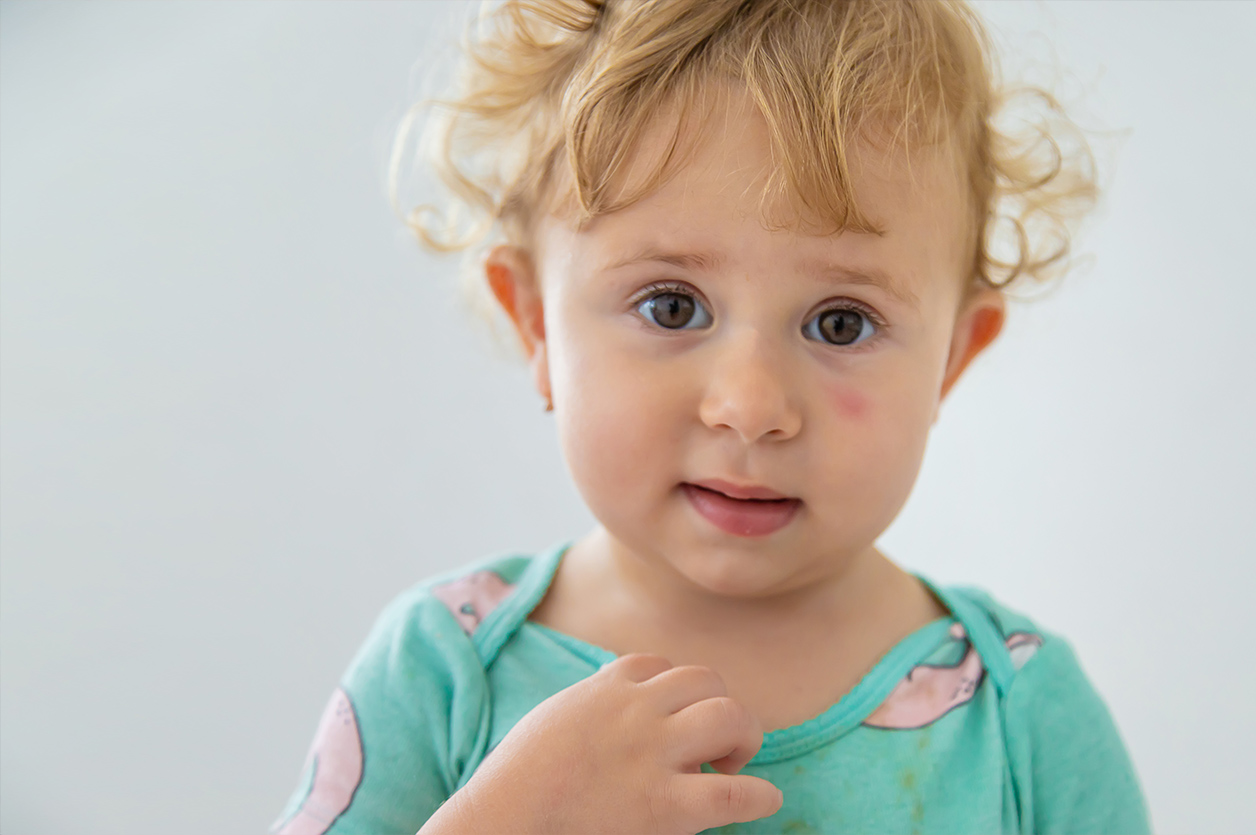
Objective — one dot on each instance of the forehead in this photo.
(720, 204)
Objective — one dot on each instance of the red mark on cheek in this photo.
(848, 402)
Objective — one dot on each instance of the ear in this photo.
(979, 321)
(514, 281)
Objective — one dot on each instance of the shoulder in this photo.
(462, 614)
(1005, 639)
(1037, 656)
(1044, 667)
(1071, 769)
(418, 687)
(1041, 664)
(472, 594)
(408, 723)
(1008, 621)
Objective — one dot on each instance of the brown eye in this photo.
(673, 311)
(841, 326)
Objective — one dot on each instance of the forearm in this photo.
(482, 809)
(452, 818)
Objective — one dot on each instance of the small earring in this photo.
(549, 403)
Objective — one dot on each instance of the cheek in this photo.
(849, 402)
(617, 419)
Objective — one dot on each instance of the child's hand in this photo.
(620, 751)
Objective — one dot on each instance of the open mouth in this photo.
(741, 516)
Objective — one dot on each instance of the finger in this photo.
(680, 687)
(719, 731)
(638, 666)
(703, 801)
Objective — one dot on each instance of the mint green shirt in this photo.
(976, 723)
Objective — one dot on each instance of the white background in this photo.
(241, 411)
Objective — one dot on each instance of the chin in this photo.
(733, 574)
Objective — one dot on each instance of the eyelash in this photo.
(660, 288)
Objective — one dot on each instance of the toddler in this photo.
(747, 246)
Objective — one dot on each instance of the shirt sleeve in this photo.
(395, 740)
(1072, 772)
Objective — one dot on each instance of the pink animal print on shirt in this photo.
(337, 757)
(472, 597)
(929, 692)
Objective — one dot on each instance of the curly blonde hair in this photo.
(558, 92)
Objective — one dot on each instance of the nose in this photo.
(748, 391)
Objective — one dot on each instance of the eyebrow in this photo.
(700, 261)
(822, 270)
(873, 277)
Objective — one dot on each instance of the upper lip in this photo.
(738, 491)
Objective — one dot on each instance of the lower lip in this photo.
(741, 517)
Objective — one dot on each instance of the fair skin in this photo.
(686, 341)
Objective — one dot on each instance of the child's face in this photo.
(809, 366)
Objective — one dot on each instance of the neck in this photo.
(654, 592)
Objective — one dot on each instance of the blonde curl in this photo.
(555, 94)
